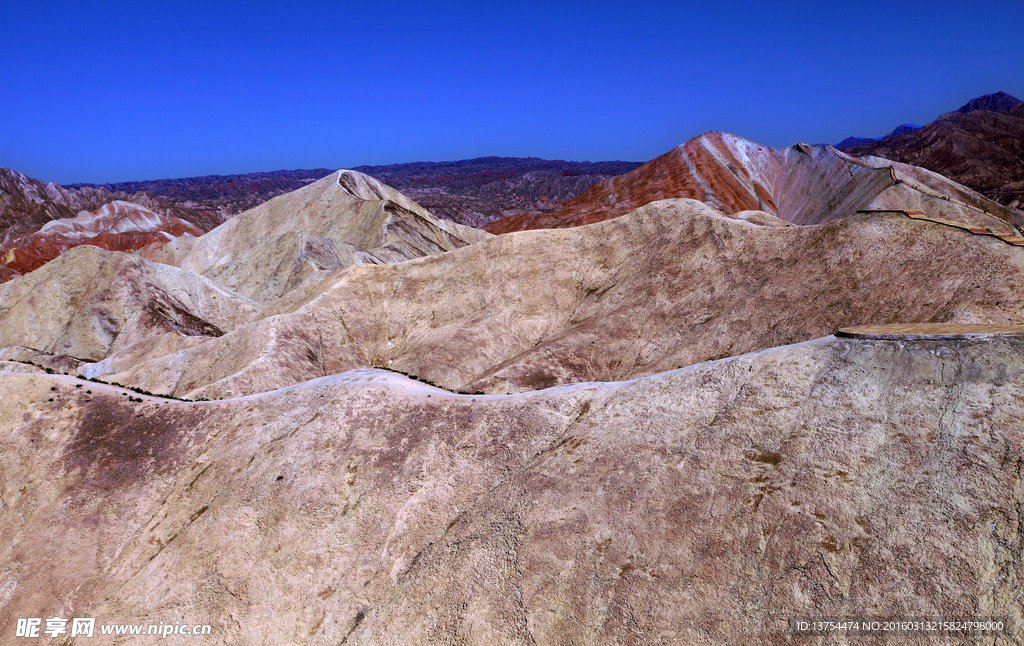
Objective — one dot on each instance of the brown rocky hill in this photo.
(981, 146)
(801, 184)
(672, 448)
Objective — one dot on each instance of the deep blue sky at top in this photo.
(104, 92)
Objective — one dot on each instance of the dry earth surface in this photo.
(666, 445)
(707, 505)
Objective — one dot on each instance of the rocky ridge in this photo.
(979, 145)
(801, 184)
(667, 444)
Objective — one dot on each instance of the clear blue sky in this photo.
(105, 92)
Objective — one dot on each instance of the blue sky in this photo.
(106, 92)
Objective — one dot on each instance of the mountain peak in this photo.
(998, 102)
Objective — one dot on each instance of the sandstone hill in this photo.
(801, 184)
(980, 145)
(343, 219)
(660, 440)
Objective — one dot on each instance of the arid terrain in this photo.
(469, 191)
(336, 418)
(980, 145)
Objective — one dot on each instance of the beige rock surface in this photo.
(344, 219)
(707, 505)
(673, 284)
(90, 302)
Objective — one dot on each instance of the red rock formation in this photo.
(117, 226)
(729, 173)
(801, 184)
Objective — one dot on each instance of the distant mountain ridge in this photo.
(469, 191)
(863, 141)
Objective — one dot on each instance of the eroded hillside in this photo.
(666, 443)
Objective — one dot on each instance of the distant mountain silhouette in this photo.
(998, 102)
(470, 191)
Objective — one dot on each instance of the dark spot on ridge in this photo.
(114, 446)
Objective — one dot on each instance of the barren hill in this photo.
(666, 443)
(801, 184)
(980, 145)
(343, 219)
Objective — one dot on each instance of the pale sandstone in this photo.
(343, 219)
(701, 506)
(674, 283)
(90, 302)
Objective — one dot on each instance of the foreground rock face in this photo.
(707, 505)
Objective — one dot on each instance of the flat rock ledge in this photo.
(925, 331)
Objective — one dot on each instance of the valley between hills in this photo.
(689, 403)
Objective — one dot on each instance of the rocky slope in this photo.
(979, 146)
(708, 505)
(27, 204)
(673, 447)
(801, 184)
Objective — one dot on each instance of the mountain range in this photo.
(979, 145)
(472, 191)
(740, 386)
